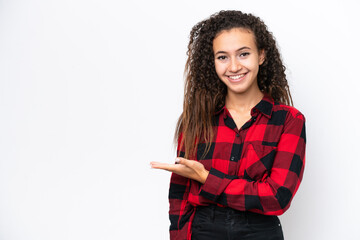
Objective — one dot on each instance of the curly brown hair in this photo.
(205, 93)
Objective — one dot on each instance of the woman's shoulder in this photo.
(290, 111)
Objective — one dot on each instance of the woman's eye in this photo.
(221, 57)
(244, 54)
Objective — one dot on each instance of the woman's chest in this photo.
(245, 153)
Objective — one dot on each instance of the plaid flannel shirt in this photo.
(256, 168)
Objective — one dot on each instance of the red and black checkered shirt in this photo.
(255, 168)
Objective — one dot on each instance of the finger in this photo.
(181, 160)
(159, 165)
(186, 162)
(177, 168)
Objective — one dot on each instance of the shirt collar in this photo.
(265, 107)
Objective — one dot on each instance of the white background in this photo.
(90, 92)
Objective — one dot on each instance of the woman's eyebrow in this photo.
(242, 48)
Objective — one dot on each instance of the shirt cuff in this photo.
(211, 188)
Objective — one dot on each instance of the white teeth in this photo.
(237, 77)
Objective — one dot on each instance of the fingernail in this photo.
(177, 161)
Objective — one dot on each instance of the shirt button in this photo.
(232, 158)
(254, 119)
(237, 135)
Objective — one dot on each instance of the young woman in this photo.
(241, 144)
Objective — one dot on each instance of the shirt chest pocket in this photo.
(257, 161)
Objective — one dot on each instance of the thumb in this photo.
(186, 162)
(181, 160)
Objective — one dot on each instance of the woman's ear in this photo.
(262, 56)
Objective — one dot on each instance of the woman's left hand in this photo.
(184, 167)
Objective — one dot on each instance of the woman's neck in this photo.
(243, 102)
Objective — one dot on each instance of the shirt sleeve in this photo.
(272, 194)
(180, 210)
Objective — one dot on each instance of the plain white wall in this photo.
(90, 92)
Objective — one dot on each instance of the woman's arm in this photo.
(179, 209)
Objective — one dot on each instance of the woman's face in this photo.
(237, 60)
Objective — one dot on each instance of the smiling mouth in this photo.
(236, 77)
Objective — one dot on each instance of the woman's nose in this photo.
(235, 65)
